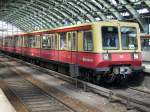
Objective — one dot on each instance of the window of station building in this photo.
(63, 41)
(87, 41)
(110, 37)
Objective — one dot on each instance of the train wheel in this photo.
(111, 78)
(121, 82)
(136, 79)
(97, 79)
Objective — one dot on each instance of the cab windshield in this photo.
(145, 44)
(129, 38)
(110, 37)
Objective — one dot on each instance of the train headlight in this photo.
(136, 56)
(106, 56)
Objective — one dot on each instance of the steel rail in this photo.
(129, 101)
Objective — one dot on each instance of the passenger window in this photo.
(63, 41)
(129, 38)
(46, 42)
(88, 41)
(110, 37)
(49, 41)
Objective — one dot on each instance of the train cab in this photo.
(116, 49)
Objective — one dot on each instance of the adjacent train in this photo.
(145, 45)
(101, 51)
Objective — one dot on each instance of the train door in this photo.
(73, 48)
(13, 44)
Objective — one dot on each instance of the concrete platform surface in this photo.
(5, 105)
(146, 67)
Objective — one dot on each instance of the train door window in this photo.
(38, 41)
(8, 41)
(62, 41)
(53, 41)
(55, 36)
(69, 41)
(129, 38)
(50, 41)
(88, 41)
(110, 38)
(30, 42)
(17, 41)
(74, 42)
(34, 41)
(25, 41)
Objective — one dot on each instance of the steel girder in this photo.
(108, 6)
(42, 14)
(30, 13)
(147, 2)
(133, 12)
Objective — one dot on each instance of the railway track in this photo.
(135, 98)
(33, 98)
(130, 97)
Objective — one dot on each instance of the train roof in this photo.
(77, 27)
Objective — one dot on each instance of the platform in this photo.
(146, 66)
(5, 105)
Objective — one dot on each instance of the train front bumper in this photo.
(120, 69)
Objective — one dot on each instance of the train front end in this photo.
(120, 53)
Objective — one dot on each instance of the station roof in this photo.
(29, 15)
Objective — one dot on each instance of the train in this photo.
(103, 51)
(145, 46)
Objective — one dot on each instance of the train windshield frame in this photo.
(110, 37)
(129, 38)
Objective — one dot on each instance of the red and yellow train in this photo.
(102, 50)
